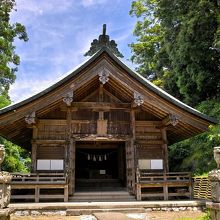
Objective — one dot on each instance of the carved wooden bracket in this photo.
(30, 118)
(174, 119)
(138, 99)
(68, 99)
(104, 76)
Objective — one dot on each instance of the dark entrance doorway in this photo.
(100, 166)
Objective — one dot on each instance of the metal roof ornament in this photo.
(68, 99)
(30, 118)
(174, 119)
(103, 41)
(104, 76)
(138, 99)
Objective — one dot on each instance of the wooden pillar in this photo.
(73, 156)
(165, 191)
(133, 148)
(37, 194)
(65, 193)
(34, 157)
(35, 132)
(65, 147)
(132, 118)
(165, 150)
(130, 165)
(71, 153)
(138, 196)
(34, 149)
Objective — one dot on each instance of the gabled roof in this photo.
(134, 74)
(12, 117)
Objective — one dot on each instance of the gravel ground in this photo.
(160, 215)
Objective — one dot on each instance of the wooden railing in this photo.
(37, 186)
(164, 185)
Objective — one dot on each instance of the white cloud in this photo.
(27, 88)
(60, 32)
(41, 6)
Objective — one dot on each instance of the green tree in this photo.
(9, 60)
(196, 154)
(17, 159)
(176, 46)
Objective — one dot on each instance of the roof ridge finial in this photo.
(104, 30)
(101, 42)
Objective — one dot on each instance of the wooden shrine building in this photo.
(100, 125)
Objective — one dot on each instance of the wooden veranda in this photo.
(54, 186)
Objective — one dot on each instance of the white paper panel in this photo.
(43, 164)
(56, 164)
(156, 164)
(144, 164)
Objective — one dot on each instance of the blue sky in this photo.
(60, 32)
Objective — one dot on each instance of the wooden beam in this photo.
(92, 137)
(52, 121)
(38, 141)
(101, 105)
(98, 146)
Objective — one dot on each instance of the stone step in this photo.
(97, 183)
(101, 196)
(102, 199)
(101, 193)
(95, 189)
(88, 211)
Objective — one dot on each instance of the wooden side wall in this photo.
(150, 143)
(50, 152)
